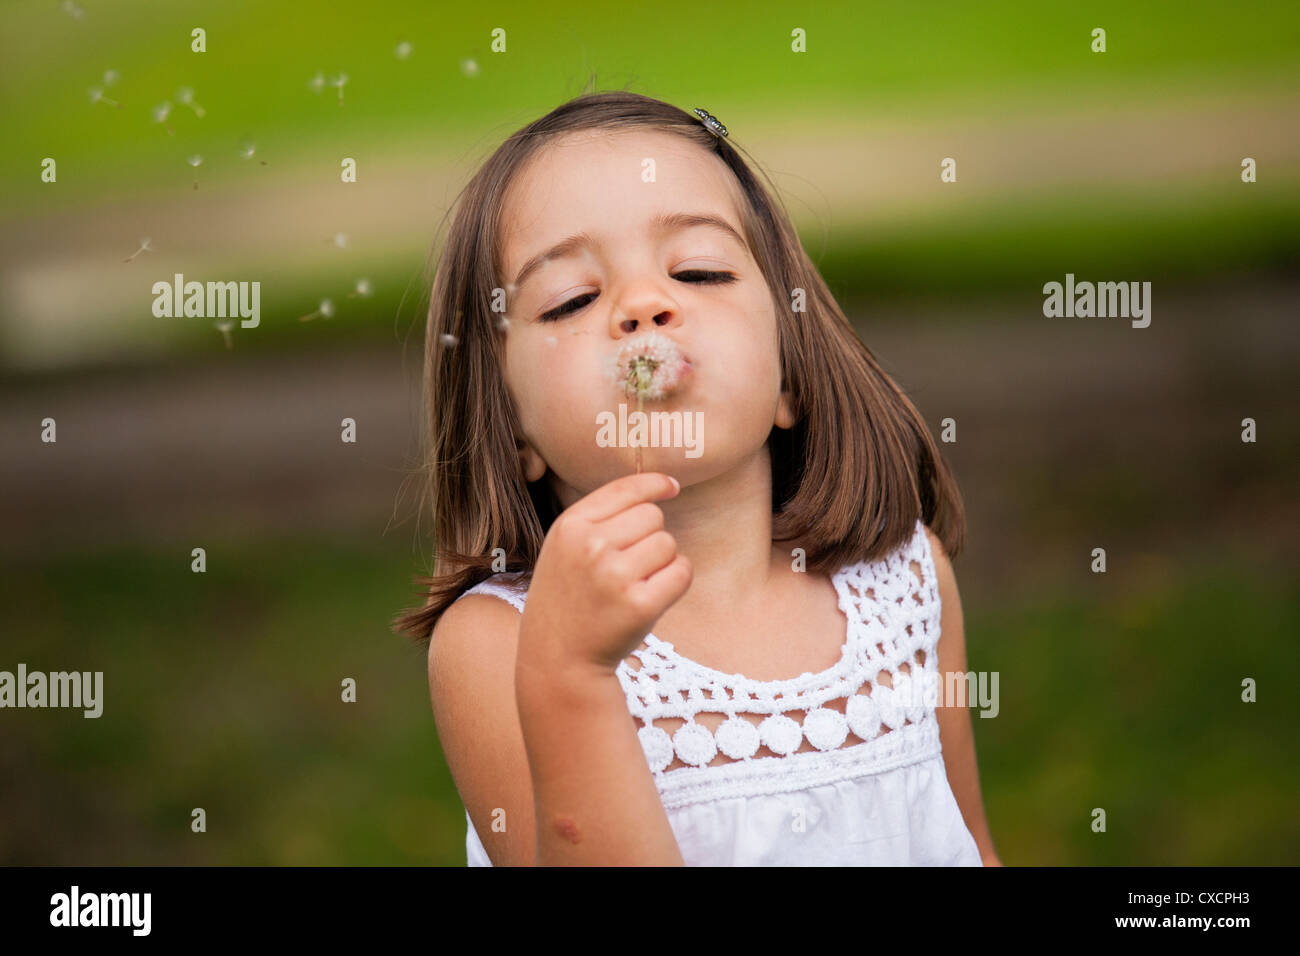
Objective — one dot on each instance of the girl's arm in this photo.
(528, 741)
(595, 800)
(956, 733)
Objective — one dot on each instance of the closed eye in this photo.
(693, 276)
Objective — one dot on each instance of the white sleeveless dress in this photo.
(868, 788)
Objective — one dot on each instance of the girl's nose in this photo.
(630, 325)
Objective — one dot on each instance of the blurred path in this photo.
(65, 292)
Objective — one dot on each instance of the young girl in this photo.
(616, 263)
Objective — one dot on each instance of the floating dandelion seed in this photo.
(340, 240)
(339, 82)
(448, 340)
(160, 114)
(648, 367)
(325, 310)
(144, 247)
(362, 290)
(551, 340)
(72, 10)
(185, 96)
(196, 161)
(224, 328)
(503, 324)
(97, 96)
(317, 83)
(403, 50)
(111, 77)
(469, 66)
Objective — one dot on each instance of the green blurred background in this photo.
(1122, 690)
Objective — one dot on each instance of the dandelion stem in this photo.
(638, 446)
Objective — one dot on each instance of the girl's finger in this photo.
(665, 586)
(630, 526)
(621, 493)
(645, 557)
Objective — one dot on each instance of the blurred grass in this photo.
(222, 691)
(885, 59)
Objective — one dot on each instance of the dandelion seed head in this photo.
(340, 80)
(224, 325)
(162, 111)
(469, 66)
(448, 340)
(196, 160)
(363, 287)
(341, 240)
(111, 77)
(649, 366)
(96, 94)
(247, 149)
(403, 50)
(317, 82)
(327, 308)
(185, 96)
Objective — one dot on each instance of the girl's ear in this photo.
(785, 411)
(530, 462)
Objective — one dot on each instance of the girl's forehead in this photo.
(629, 159)
(615, 173)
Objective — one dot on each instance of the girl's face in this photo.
(631, 276)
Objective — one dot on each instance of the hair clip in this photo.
(712, 123)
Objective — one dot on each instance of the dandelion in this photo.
(339, 82)
(111, 77)
(185, 96)
(649, 367)
(160, 114)
(144, 247)
(224, 328)
(469, 66)
(403, 50)
(362, 290)
(340, 240)
(196, 161)
(325, 310)
(247, 148)
(97, 96)
(317, 83)
(448, 340)
(72, 10)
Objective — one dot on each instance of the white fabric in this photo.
(881, 800)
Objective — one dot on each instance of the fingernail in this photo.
(676, 484)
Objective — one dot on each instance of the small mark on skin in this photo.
(568, 829)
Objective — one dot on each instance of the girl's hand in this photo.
(606, 572)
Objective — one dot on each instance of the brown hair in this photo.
(850, 478)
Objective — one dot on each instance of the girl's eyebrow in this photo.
(663, 222)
